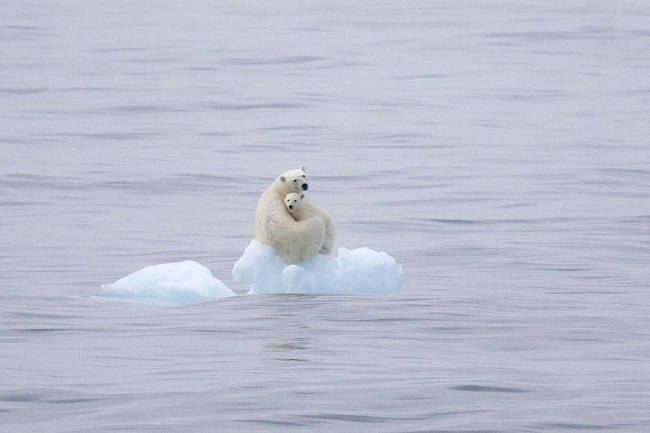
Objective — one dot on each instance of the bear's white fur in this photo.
(301, 209)
(294, 241)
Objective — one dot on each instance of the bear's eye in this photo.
(295, 180)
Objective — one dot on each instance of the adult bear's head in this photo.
(294, 180)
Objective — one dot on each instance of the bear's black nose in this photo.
(290, 206)
(305, 187)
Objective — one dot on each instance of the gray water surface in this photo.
(498, 150)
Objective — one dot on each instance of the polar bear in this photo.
(301, 209)
(294, 241)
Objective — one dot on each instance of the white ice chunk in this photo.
(167, 284)
(361, 270)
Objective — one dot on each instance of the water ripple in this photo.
(482, 388)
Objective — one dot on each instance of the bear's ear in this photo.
(303, 169)
(282, 179)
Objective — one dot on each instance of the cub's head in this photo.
(294, 201)
(294, 180)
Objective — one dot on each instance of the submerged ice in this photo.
(357, 271)
(169, 283)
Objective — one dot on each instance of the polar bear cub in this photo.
(301, 209)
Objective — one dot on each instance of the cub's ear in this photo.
(303, 169)
(302, 195)
(282, 179)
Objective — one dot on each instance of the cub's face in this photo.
(295, 180)
(293, 201)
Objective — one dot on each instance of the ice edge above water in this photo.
(167, 284)
(357, 271)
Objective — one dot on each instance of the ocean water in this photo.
(499, 150)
